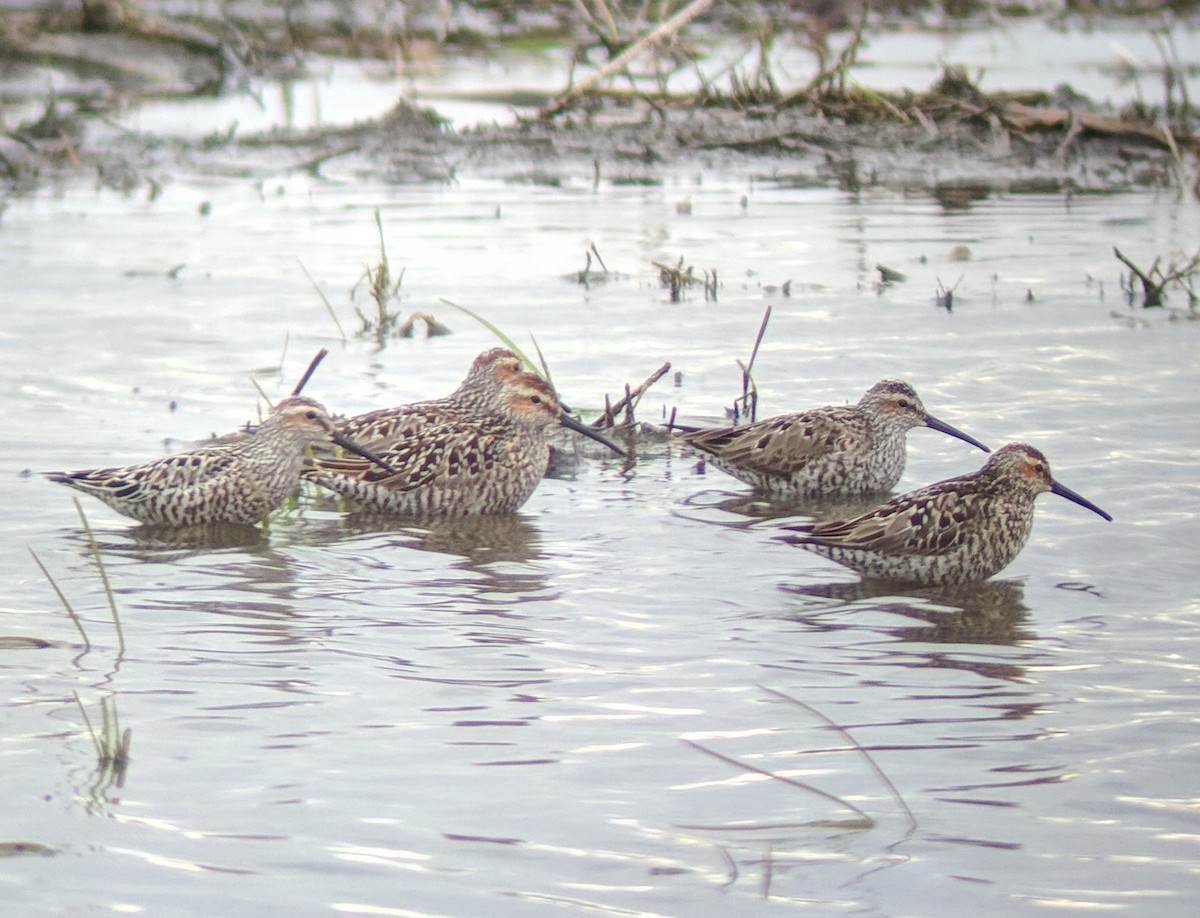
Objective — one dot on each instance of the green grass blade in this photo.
(504, 339)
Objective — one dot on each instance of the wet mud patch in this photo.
(71, 75)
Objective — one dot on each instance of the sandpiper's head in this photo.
(488, 373)
(1021, 466)
(895, 405)
(526, 398)
(301, 418)
(499, 381)
(489, 381)
(307, 422)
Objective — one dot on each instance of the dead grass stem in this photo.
(87, 644)
(108, 591)
(324, 299)
(628, 401)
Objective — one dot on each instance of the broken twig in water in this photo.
(433, 327)
(312, 368)
(1155, 280)
(675, 278)
(943, 296)
(618, 63)
(749, 399)
(629, 400)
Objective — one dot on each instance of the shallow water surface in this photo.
(614, 701)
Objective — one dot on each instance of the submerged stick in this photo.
(542, 360)
(1151, 291)
(596, 251)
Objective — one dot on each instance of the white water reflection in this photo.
(356, 716)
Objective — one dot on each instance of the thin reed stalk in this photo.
(870, 760)
(866, 821)
(87, 644)
(91, 730)
(108, 592)
(324, 299)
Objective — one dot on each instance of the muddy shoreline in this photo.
(950, 139)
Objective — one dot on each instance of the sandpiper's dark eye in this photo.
(903, 403)
(311, 415)
(536, 399)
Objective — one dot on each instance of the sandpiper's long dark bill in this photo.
(349, 445)
(942, 427)
(579, 427)
(1063, 491)
(959, 530)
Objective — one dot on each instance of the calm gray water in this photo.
(347, 718)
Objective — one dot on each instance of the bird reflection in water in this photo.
(982, 614)
(992, 612)
(479, 539)
(206, 536)
(494, 550)
(756, 508)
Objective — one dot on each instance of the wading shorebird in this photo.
(240, 481)
(482, 449)
(835, 450)
(960, 530)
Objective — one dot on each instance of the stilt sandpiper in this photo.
(959, 530)
(835, 450)
(240, 481)
(482, 449)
